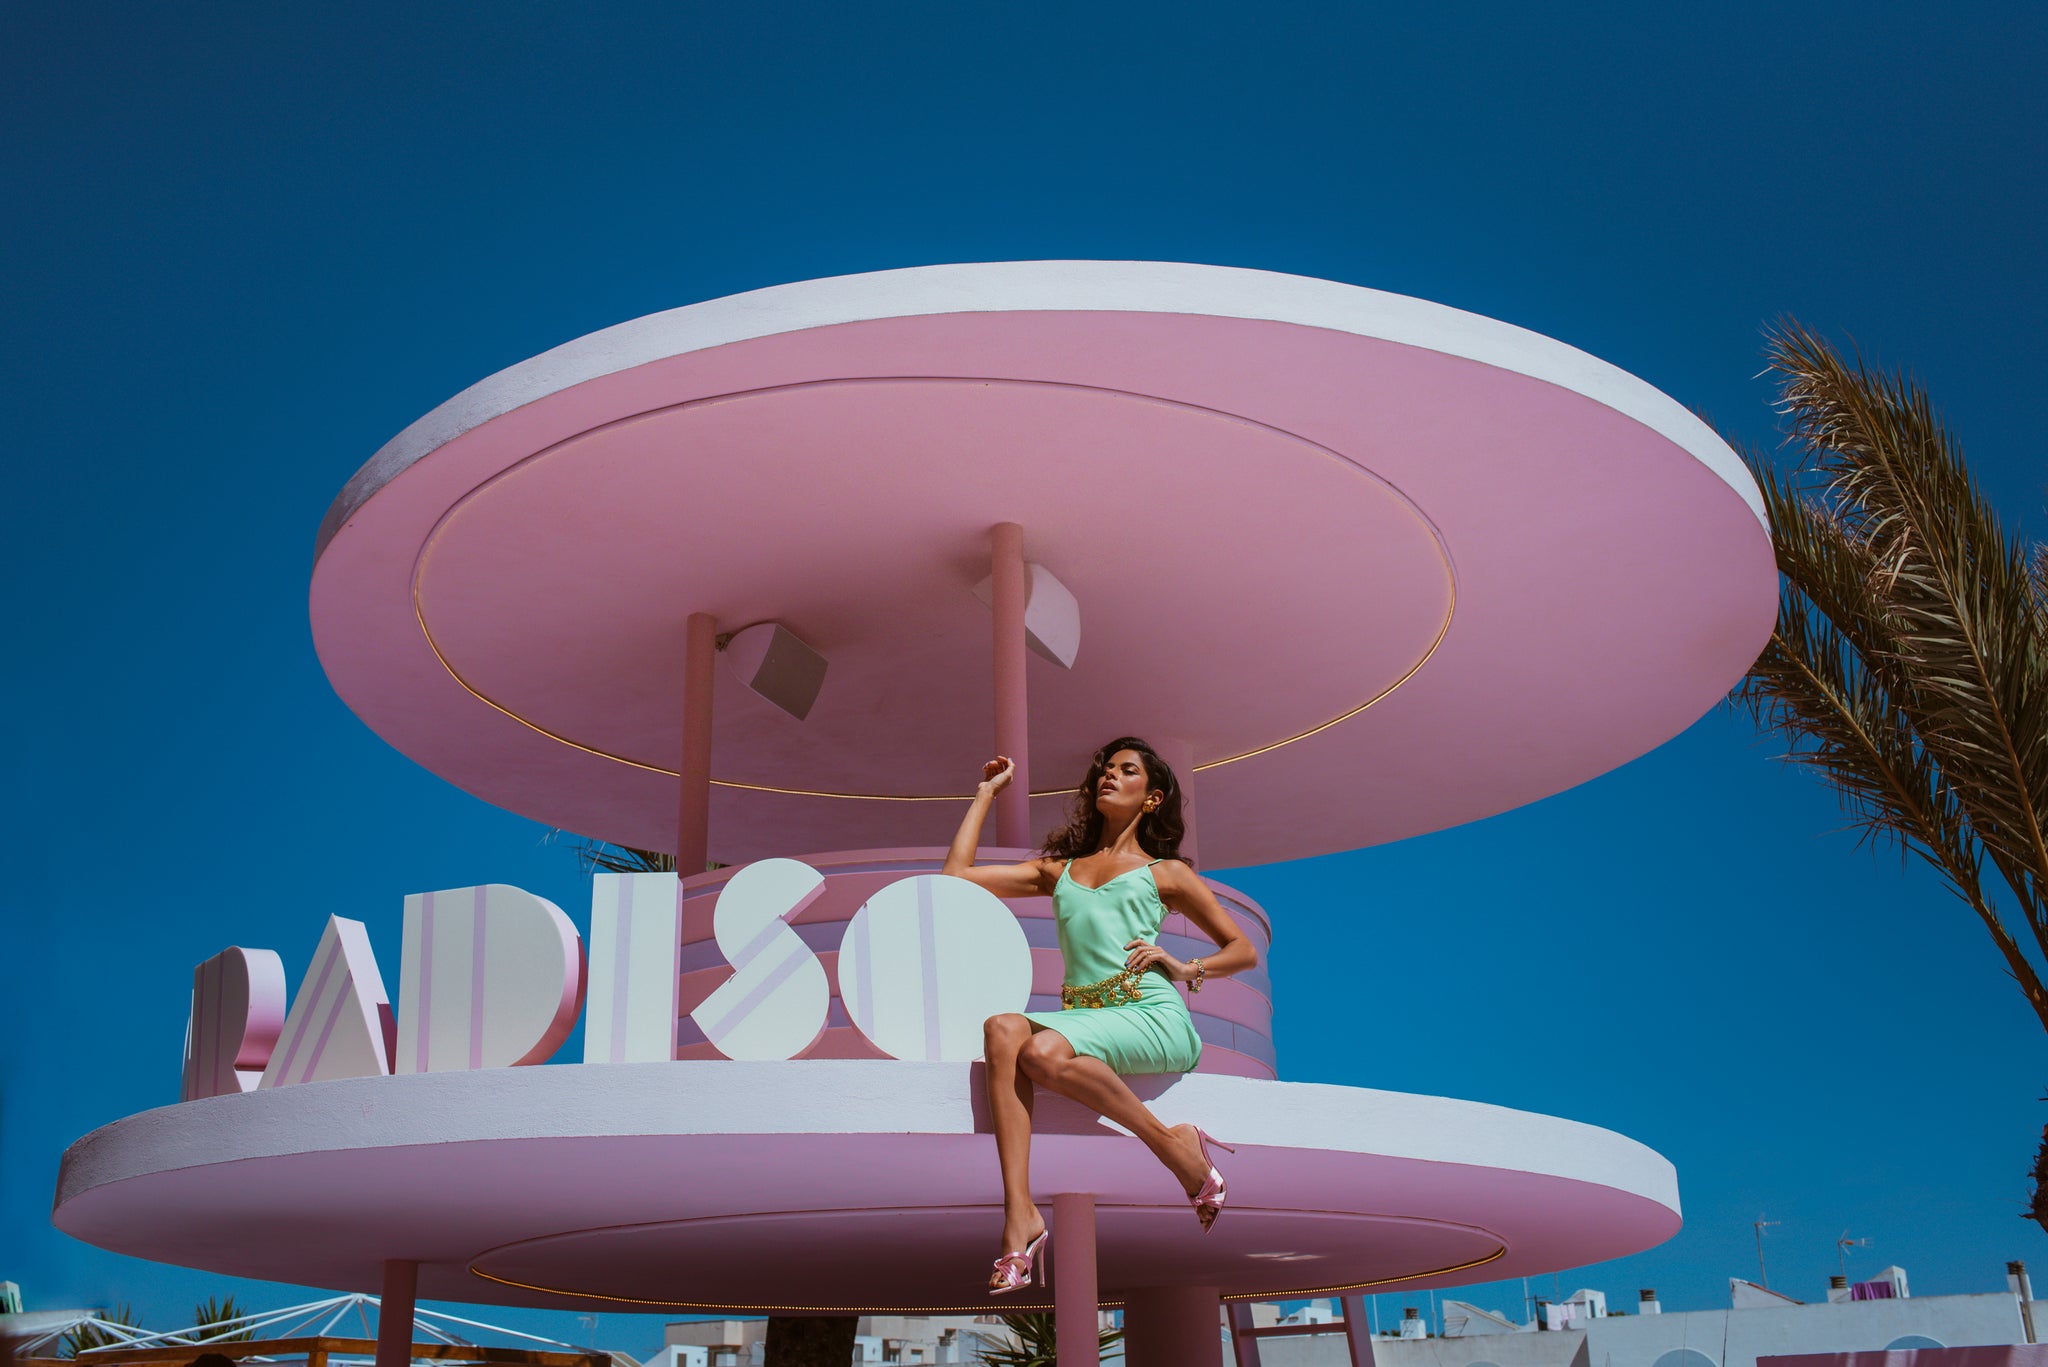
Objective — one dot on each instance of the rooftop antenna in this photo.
(1763, 1278)
(1842, 1247)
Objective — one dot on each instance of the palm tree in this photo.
(212, 1316)
(598, 857)
(1034, 1338)
(1909, 666)
(86, 1337)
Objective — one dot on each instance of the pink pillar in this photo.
(1181, 756)
(1008, 595)
(394, 1313)
(1172, 1326)
(1242, 1342)
(1075, 1304)
(693, 816)
(1357, 1331)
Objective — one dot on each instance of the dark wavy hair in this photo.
(1159, 832)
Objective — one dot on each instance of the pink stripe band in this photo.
(622, 956)
(796, 954)
(476, 982)
(864, 973)
(423, 1020)
(341, 995)
(928, 966)
(284, 1070)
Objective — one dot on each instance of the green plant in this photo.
(211, 1314)
(87, 1337)
(598, 857)
(1036, 1340)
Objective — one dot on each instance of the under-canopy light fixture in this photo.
(769, 659)
(1052, 619)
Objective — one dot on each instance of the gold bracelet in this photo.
(1200, 973)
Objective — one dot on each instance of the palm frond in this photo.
(2039, 577)
(1908, 665)
(211, 1316)
(1958, 593)
(87, 1337)
(1033, 1341)
(597, 856)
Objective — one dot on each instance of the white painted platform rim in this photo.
(1046, 286)
(825, 1097)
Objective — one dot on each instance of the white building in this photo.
(882, 1340)
(1879, 1314)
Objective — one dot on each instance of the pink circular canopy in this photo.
(1382, 565)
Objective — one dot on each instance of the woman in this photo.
(1113, 872)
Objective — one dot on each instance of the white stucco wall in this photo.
(1567, 1349)
(1737, 1338)
(1727, 1338)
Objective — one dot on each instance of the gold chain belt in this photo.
(1118, 987)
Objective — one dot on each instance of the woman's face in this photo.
(1122, 789)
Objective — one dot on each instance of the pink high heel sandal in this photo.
(1016, 1269)
(1208, 1202)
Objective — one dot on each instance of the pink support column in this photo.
(1244, 1345)
(394, 1312)
(1008, 594)
(1172, 1326)
(1181, 756)
(1357, 1330)
(693, 816)
(1075, 1304)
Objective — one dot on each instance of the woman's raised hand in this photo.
(996, 774)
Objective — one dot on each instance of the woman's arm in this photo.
(1187, 894)
(1004, 880)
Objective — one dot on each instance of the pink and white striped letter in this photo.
(340, 1023)
(237, 1012)
(635, 941)
(774, 1004)
(490, 977)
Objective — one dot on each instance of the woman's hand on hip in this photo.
(1144, 956)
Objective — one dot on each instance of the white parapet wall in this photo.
(1699, 1338)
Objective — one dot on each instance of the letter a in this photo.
(340, 1023)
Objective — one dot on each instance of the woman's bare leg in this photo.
(1009, 1102)
(1048, 1059)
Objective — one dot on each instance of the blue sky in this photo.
(245, 244)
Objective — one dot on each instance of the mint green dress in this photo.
(1153, 1034)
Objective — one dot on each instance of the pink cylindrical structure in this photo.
(1181, 756)
(1075, 1305)
(693, 812)
(394, 1312)
(1170, 1326)
(1008, 595)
